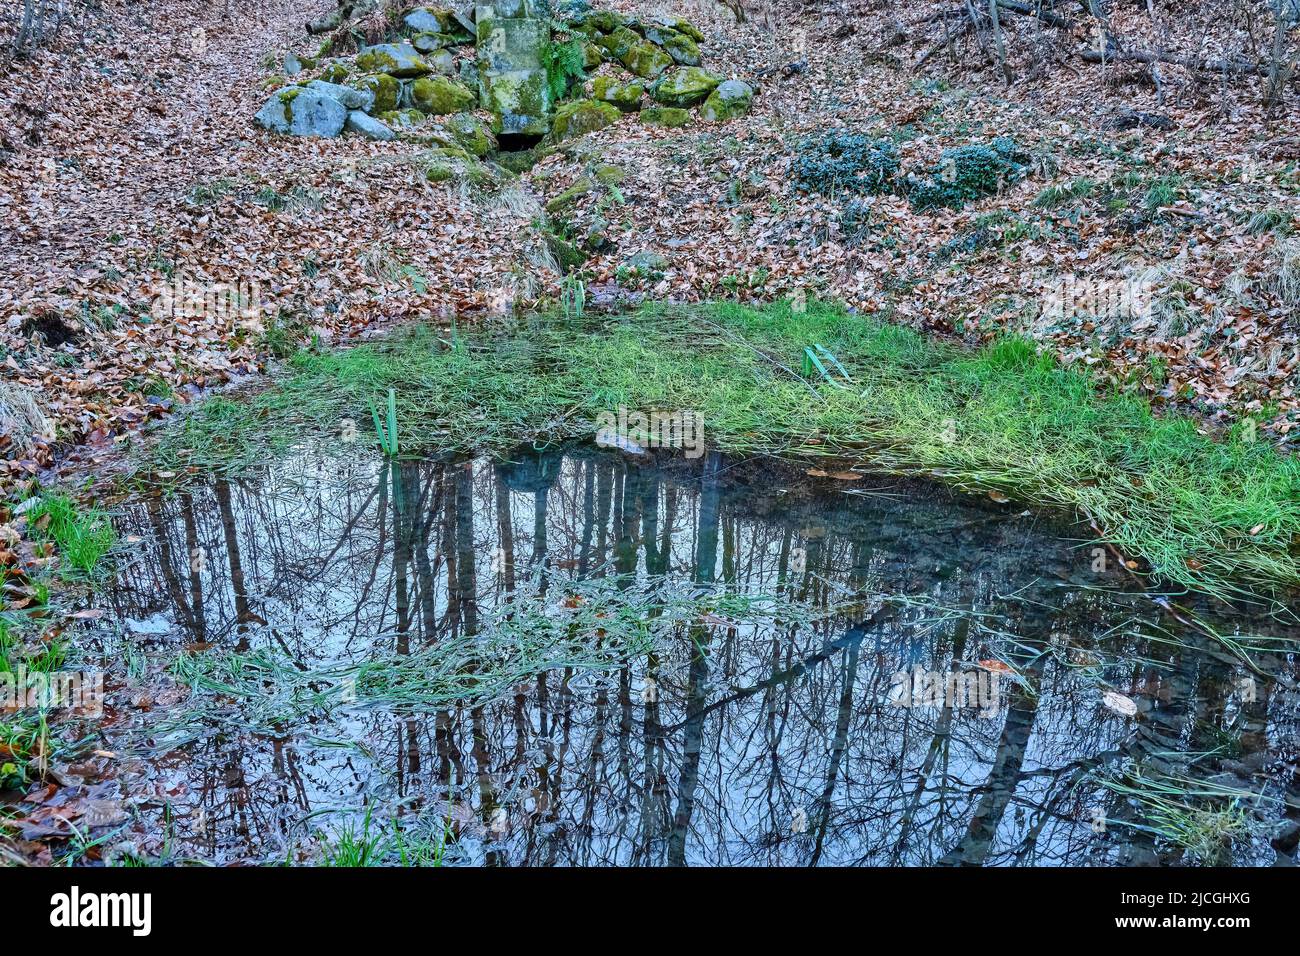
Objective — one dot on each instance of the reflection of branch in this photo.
(852, 636)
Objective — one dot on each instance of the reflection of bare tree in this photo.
(746, 726)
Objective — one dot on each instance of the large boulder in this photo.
(396, 59)
(686, 87)
(385, 91)
(732, 98)
(299, 111)
(438, 96)
(582, 116)
(352, 98)
(367, 126)
(505, 45)
(626, 96)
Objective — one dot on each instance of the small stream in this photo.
(1077, 696)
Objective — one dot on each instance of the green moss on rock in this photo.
(607, 174)
(625, 96)
(564, 200)
(397, 59)
(671, 116)
(685, 87)
(732, 98)
(402, 119)
(438, 96)
(471, 133)
(567, 255)
(646, 60)
(520, 101)
(679, 46)
(335, 73)
(386, 89)
(582, 116)
(619, 42)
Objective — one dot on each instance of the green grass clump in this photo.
(82, 535)
(1163, 192)
(24, 734)
(372, 845)
(1207, 513)
(1060, 193)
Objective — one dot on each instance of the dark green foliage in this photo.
(845, 162)
(967, 173)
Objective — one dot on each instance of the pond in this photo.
(751, 666)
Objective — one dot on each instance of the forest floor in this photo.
(129, 166)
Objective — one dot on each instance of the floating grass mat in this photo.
(1219, 514)
(1208, 820)
(584, 626)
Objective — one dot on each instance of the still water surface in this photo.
(1102, 725)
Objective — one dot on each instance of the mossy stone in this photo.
(646, 60)
(732, 98)
(471, 133)
(520, 101)
(335, 73)
(438, 96)
(567, 255)
(564, 200)
(679, 46)
(685, 87)
(402, 119)
(671, 116)
(578, 117)
(429, 42)
(626, 96)
(397, 59)
(386, 89)
(618, 43)
(602, 21)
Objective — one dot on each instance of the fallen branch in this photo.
(1046, 16)
(1152, 57)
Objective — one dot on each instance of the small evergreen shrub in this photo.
(845, 162)
(967, 173)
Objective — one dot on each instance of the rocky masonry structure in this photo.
(513, 80)
(527, 72)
